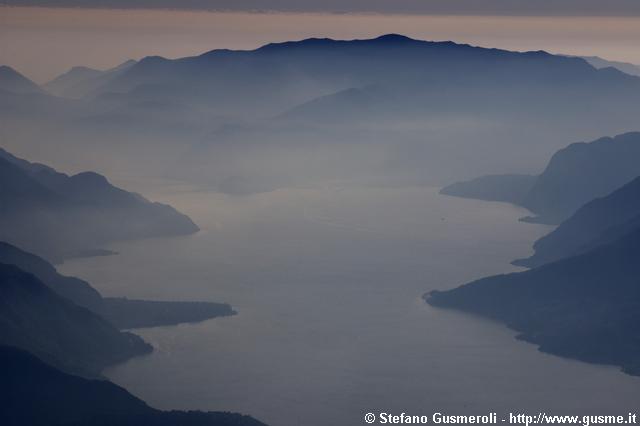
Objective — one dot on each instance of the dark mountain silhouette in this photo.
(13, 81)
(58, 216)
(81, 81)
(121, 312)
(583, 307)
(295, 72)
(416, 111)
(35, 318)
(73, 289)
(506, 188)
(574, 176)
(581, 172)
(598, 222)
(36, 394)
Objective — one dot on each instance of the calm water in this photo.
(327, 282)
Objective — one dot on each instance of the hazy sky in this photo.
(483, 7)
(43, 42)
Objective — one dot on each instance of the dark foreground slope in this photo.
(585, 307)
(36, 394)
(598, 222)
(70, 337)
(59, 216)
(121, 312)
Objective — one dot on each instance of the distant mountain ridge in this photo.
(626, 67)
(293, 71)
(69, 214)
(81, 81)
(13, 81)
(413, 110)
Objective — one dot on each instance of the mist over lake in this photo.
(327, 280)
(299, 213)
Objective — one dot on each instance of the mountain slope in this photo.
(81, 81)
(121, 312)
(37, 394)
(574, 176)
(581, 172)
(73, 289)
(63, 85)
(598, 222)
(60, 216)
(34, 318)
(583, 307)
(628, 68)
(13, 81)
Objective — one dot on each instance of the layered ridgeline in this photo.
(296, 72)
(33, 317)
(14, 82)
(81, 81)
(123, 313)
(625, 67)
(390, 107)
(59, 216)
(36, 394)
(574, 176)
(583, 307)
(598, 222)
(581, 299)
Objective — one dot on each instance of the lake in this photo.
(327, 281)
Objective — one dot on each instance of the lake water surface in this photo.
(327, 282)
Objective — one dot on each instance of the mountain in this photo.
(574, 176)
(36, 394)
(73, 289)
(583, 307)
(80, 81)
(417, 110)
(292, 73)
(598, 222)
(507, 188)
(581, 172)
(70, 337)
(625, 67)
(58, 216)
(123, 313)
(14, 82)
(390, 107)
